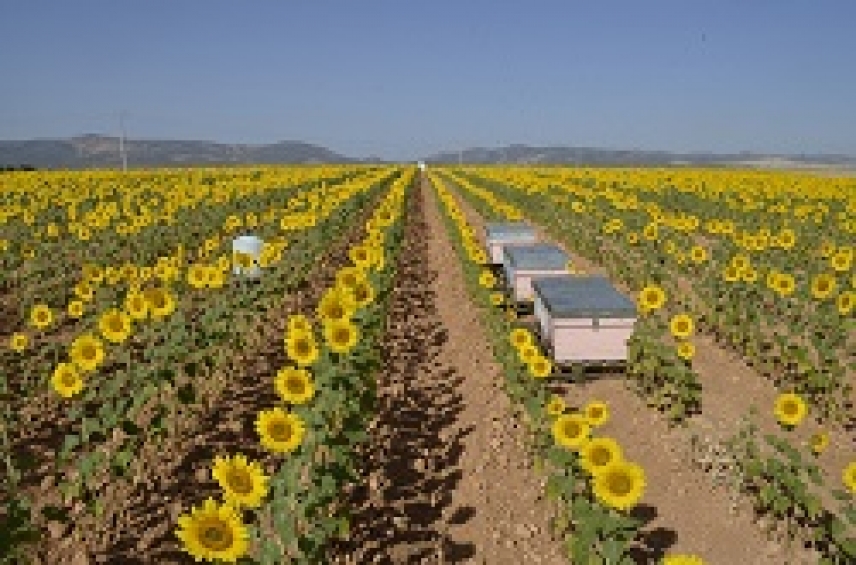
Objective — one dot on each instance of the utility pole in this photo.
(122, 151)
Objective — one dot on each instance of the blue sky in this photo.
(402, 79)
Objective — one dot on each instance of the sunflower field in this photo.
(160, 404)
(127, 323)
(758, 264)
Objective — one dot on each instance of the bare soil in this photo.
(692, 511)
(447, 473)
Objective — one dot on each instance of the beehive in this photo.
(500, 235)
(522, 263)
(583, 319)
(252, 246)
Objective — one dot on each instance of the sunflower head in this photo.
(520, 337)
(596, 413)
(341, 335)
(849, 477)
(790, 409)
(213, 532)
(620, 486)
(280, 431)
(652, 298)
(244, 483)
(540, 367)
(41, 316)
(19, 342)
(571, 431)
(819, 442)
(66, 380)
(294, 385)
(681, 326)
(599, 453)
(556, 406)
(301, 348)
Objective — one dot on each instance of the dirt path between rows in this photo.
(446, 479)
(690, 512)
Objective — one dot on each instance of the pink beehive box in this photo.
(583, 319)
(523, 263)
(497, 236)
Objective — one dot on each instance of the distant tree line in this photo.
(12, 168)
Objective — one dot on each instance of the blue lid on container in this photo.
(582, 297)
(508, 230)
(537, 256)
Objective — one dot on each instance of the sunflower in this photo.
(599, 453)
(681, 559)
(197, 276)
(555, 406)
(528, 353)
(487, 279)
(652, 298)
(787, 238)
(520, 337)
(363, 293)
(213, 532)
(822, 286)
(845, 302)
(115, 325)
(731, 273)
(621, 485)
(841, 262)
(19, 342)
(571, 431)
(681, 326)
(41, 316)
(685, 350)
(350, 276)
(280, 431)
(336, 305)
(849, 477)
(84, 291)
(216, 278)
(136, 305)
(650, 232)
(301, 348)
(299, 323)
(66, 380)
(790, 409)
(596, 413)
(160, 301)
(785, 284)
(341, 335)
(496, 299)
(294, 386)
(540, 367)
(819, 442)
(749, 275)
(87, 352)
(360, 255)
(244, 483)
(632, 238)
(698, 254)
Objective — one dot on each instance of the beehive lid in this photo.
(538, 256)
(511, 230)
(583, 297)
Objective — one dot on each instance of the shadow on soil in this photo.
(412, 463)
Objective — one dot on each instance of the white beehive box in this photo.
(252, 246)
(583, 319)
(513, 233)
(523, 263)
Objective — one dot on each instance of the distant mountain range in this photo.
(524, 154)
(98, 151)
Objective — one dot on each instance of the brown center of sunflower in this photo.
(601, 456)
(335, 311)
(216, 535)
(573, 429)
(280, 430)
(823, 286)
(682, 326)
(42, 317)
(68, 378)
(88, 352)
(302, 347)
(239, 481)
(341, 335)
(295, 384)
(620, 484)
(115, 324)
(790, 408)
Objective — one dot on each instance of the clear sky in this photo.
(401, 79)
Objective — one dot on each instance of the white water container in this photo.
(252, 246)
